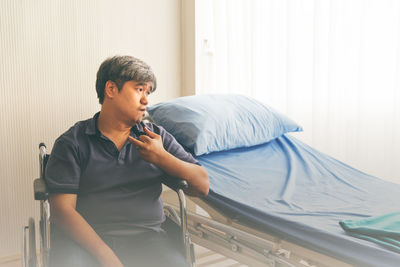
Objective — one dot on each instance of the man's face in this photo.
(131, 101)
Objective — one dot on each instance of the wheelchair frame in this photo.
(29, 253)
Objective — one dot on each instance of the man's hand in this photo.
(151, 149)
(111, 262)
(150, 146)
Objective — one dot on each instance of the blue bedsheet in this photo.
(301, 194)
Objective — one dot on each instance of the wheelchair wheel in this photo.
(32, 260)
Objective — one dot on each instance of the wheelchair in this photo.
(30, 258)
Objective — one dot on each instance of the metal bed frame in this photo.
(29, 252)
(211, 229)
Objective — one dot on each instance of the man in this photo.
(104, 175)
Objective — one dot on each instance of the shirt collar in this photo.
(91, 128)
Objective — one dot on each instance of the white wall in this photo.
(50, 51)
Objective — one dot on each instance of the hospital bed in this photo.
(33, 258)
(280, 203)
(273, 201)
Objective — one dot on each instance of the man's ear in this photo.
(110, 89)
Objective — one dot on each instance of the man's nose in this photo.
(143, 99)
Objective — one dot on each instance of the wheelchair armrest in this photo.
(40, 189)
(175, 183)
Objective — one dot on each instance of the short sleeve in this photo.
(63, 168)
(172, 146)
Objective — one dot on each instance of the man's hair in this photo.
(121, 69)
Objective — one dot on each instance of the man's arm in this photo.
(65, 216)
(151, 149)
(195, 175)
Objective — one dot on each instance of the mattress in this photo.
(300, 194)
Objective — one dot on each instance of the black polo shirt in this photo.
(117, 191)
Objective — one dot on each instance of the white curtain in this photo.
(331, 65)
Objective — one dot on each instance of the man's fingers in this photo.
(132, 140)
(145, 138)
(150, 133)
(139, 144)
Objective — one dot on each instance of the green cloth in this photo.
(383, 230)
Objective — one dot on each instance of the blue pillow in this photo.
(208, 123)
